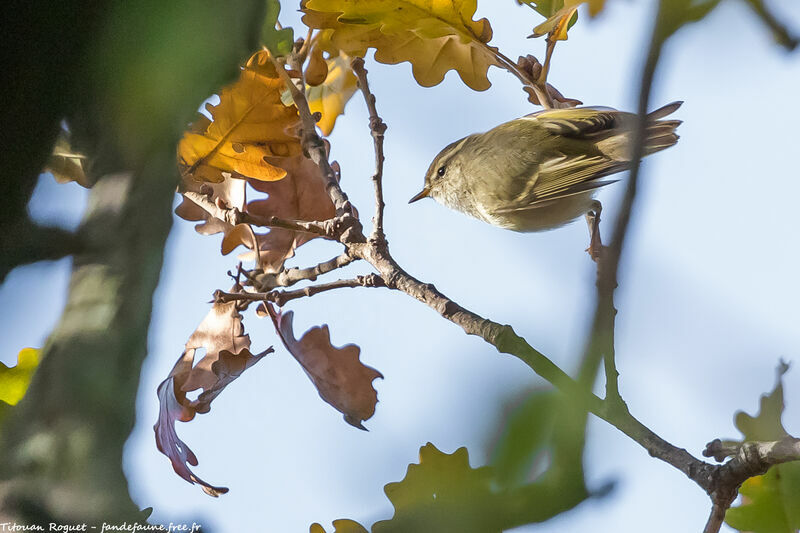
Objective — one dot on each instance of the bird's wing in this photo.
(563, 176)
(577, 122)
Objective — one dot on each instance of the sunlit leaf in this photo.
(66, 164)
(14, 380)
(330, 97)
(434, 36)
(249, 125)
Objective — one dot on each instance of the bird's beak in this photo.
(420, 195)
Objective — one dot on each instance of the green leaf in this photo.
(279, 42)
(546, 8)
(769, 502)
(340, 526)
(442, 493)
(14, 380)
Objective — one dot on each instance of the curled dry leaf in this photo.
(250, 124)
(531, 66)
(341, 379)
(227, 356)
(434, 37)
(556, 26)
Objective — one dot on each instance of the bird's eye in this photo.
(440, 172)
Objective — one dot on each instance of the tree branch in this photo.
(779, 31)
(267, 281)
(280, 297)
(234, 217)
(377, 127)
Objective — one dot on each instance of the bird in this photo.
(541, 171)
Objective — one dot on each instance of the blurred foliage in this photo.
(278, 42)
(770, 502)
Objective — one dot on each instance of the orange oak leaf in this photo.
(227, 356)
(341, 379)
(249, 124)
(434, 37)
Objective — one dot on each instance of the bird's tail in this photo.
(661, 133)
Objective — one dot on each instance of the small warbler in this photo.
(541, 171)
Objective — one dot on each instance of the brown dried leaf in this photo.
(227, 355)
(341, 379)
(230, 193)
(299, 196)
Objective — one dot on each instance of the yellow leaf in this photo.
(435, 36)
(14, 381)
(249, 124)
(332, 95)
(558, 24)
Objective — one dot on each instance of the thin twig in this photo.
(601, 340)
(266, 281)
(311, 141)
(280, 297)
(551, 46)
(378, 128)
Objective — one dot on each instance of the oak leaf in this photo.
(249, 124)
(435, 36)
(341, 379)
(227, 355)
(442, 493)
(300, 196)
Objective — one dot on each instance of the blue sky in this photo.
(707, 299)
